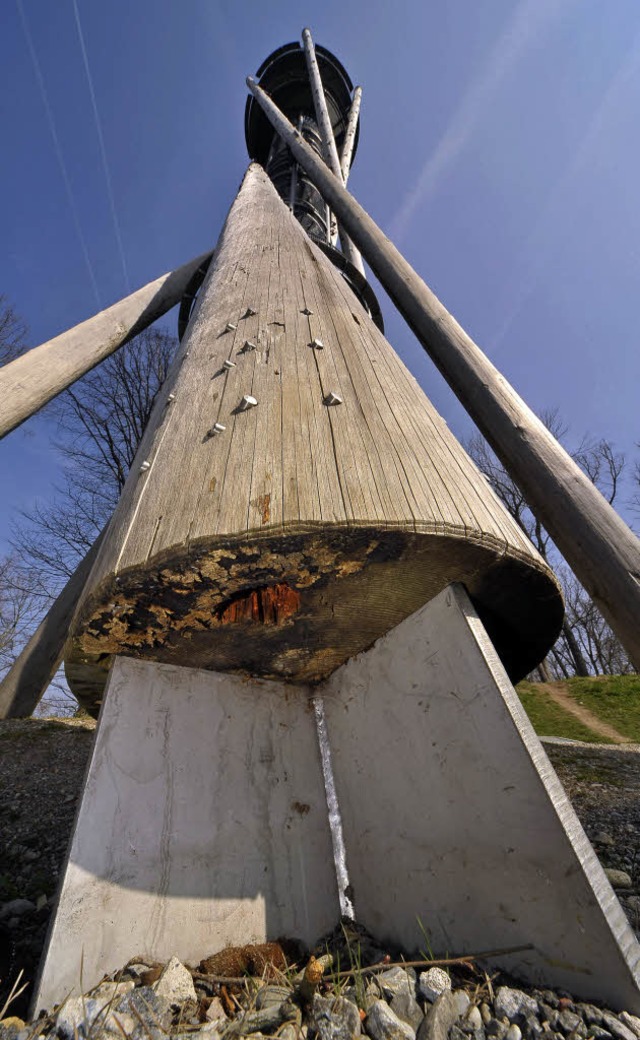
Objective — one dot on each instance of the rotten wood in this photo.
(597, 544)
(300, 533)
(35, 378)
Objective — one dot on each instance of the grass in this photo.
(615, 699)
(549, 719)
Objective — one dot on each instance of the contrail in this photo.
(528, 20)
(103, 152)
(58, 151)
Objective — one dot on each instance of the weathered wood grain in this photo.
(600, 548)
(363, 510)
(33, 379)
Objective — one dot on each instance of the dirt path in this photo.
(558, 693)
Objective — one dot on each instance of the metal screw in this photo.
(145, 466)
(306, 311)
(247, 402)
(317, 343)
(248, 345)
(230, 327)
(249, 313)
(171, 398)
(332, 398)
(217, 428)
(228, 364)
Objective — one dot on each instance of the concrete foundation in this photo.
(204, 823)
(454, 816)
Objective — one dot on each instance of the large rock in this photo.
(394, 982)
(383, 1024)
(440, 1017)
(513, 1003)
(432, 983)
(176, 984)
(335, 1018)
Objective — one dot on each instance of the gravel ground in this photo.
(42, 766)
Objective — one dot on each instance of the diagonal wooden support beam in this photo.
(29, 382)
(25, 683)
(350, 135)
(596, 543)
(326, 131)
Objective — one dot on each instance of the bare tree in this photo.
(575, 652)
(13, 332)
(100, 423)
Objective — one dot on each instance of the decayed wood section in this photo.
(35, 378)
(25, 683)
(597, 544)
(302, 531)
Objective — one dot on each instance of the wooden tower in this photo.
(300, 597)
(296, 495)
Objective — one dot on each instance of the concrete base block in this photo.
(453, 815)
(203, 824)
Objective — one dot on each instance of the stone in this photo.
(406, 1007)
(439, 1018)
(395, 981)
(591, 1014)
(514, 1032)
(618, 878)
(16, 908)
(461, 1001)
(531, 1027)
(568, 1022)
(383, 1024)
(152, 1007)
(603, 838)
(110, 992)
(617, 1028)
(216, 1012)
(432, 983)
(335, 1018)
(176, 984)
(456, 1033)
(474, 1018)
(75, 1017)
(598, 1033)
(511, 1003)
(631, 1021)
(272, 996)
(485, 1011)
(497, 1029)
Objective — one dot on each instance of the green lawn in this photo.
(613, 698)
(549, 719)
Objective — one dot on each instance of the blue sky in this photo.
(499, 147)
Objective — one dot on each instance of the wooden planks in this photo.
(363, 509)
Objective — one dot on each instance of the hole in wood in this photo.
(269, 605)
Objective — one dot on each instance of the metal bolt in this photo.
(228, 364)
(171, 398)
(332, 398)
(247, 402)
(217, 428)
(230, 327)
(317, 343)
(145, 466)
(249, 313)
(248, 345)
